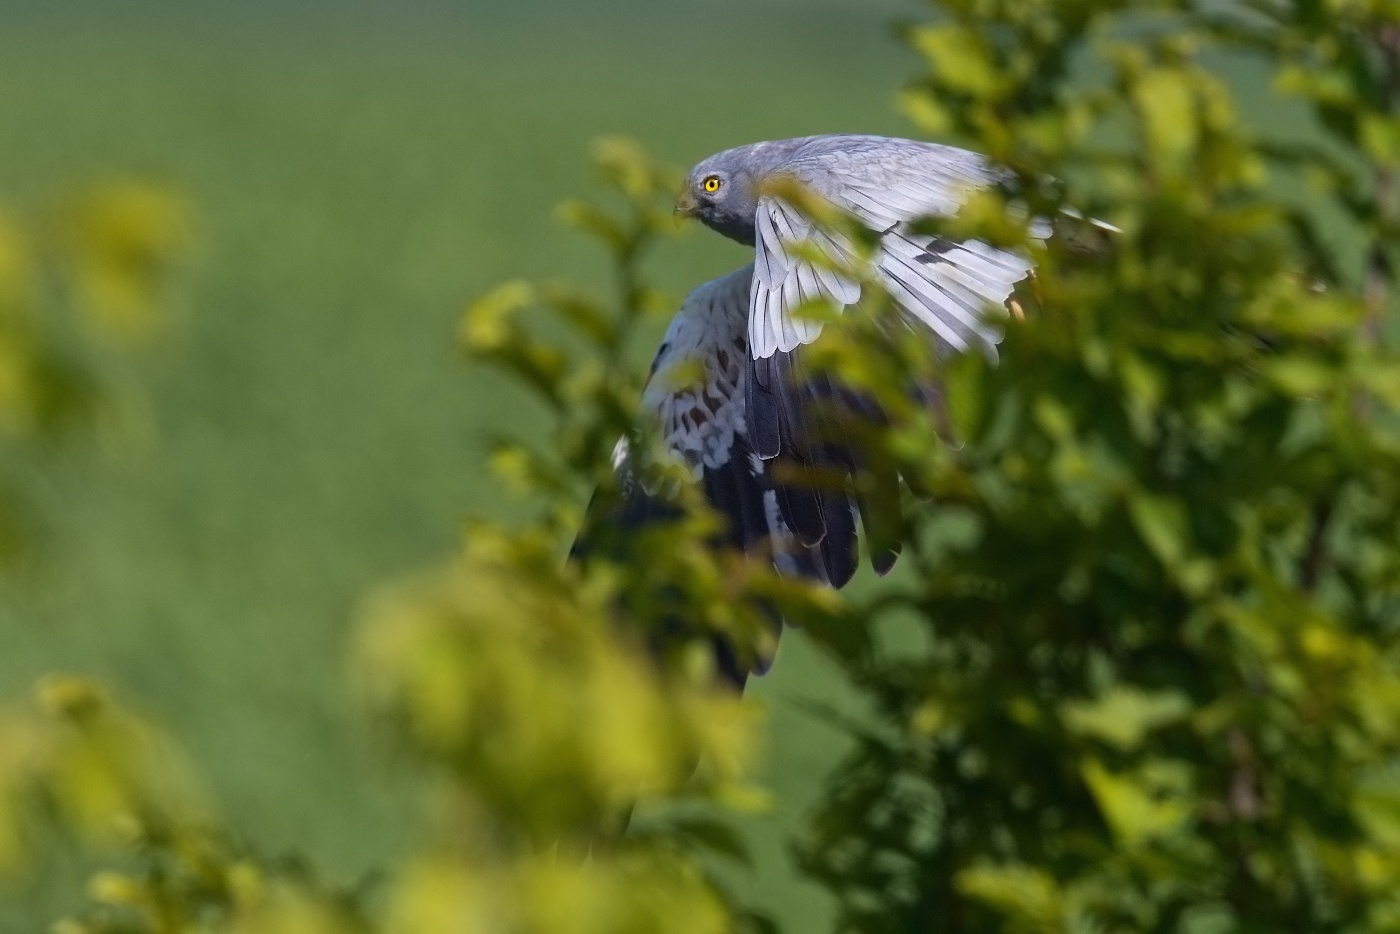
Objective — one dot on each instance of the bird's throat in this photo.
(740, 229)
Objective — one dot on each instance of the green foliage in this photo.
(118, 786)
(90, 275)
(546, 726)
(1157, 568)
(539, 720)
(73, 281)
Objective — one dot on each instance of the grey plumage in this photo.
(887, 183)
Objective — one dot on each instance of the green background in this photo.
(359, 171)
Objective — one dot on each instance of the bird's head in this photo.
(722, 192)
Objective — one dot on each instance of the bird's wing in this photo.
(696, 396)
(784, 279)
(947, 287)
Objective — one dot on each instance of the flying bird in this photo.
(728, 392)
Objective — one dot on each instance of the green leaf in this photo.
(959, 58)
(1300, 376)
(1124, 715)
(1167, 108)
(1028, 894)
(487, 324)
(1162, 524)
(1141, 806)
(1380, 137)
(965, 384)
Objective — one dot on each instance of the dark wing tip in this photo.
(802, 509)
(839, 553)
(761, 411)
(883, 561)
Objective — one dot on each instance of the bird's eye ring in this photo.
(712, 184)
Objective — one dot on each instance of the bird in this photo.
(768, 442)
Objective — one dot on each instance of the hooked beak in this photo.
(686, 205)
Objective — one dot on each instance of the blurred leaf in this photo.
(1028, 895)
(1123, 715)
(123, 238)
(1142, 806)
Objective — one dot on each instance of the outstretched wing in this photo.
(886, 183)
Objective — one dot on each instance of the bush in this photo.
(1158, 685)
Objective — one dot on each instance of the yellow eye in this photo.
(712, 184)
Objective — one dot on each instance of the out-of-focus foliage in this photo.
(522, 684)
(85, 279)
(546, 725)
(1150, 557)
(90, 273)
(107, 774)
(117, 785)
(1159, 682)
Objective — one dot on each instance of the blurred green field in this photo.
(357, 174)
